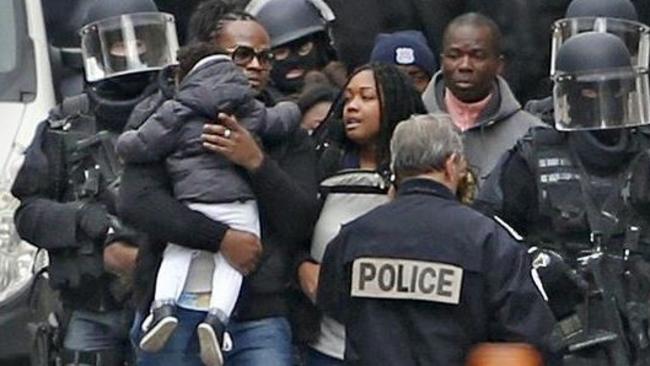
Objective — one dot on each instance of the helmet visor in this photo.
(597, 100)
(636, 36)
(128, 44)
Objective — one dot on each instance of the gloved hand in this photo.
(93, 219)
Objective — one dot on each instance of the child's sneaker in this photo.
(212, 339)
(159, 326)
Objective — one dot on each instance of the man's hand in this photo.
(120, 257)
(242, 250)
(233, 141)
(308, 276)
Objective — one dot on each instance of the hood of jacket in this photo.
(217, 79)
(497, 109)
(498, 128)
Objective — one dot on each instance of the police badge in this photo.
(404, 56)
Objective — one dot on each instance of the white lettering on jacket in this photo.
(404, 279)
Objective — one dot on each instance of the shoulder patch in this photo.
(404, 279)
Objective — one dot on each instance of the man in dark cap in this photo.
(409, 51)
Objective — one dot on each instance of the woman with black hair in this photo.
(355, 173)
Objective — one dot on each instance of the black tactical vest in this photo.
(604, 320)
(573, 202)
(83, 167)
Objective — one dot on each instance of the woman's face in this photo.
(362, 110)
(248, 33)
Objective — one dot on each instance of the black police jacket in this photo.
(422, 279)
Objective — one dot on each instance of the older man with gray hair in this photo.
(422, 279)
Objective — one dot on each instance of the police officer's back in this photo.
(69, 179)
(422, 279)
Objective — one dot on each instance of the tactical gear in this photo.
(112, 8)
(600, 294)
(561, 197)
(638, 184)
(313, 60)
(622, 9)
(93, 220)
(84, 169)
(289, 20)
(130, 43)
(603, 17)
(596, 86)
(291, 24)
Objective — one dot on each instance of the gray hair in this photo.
(423, 143)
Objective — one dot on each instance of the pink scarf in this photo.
(464, 114)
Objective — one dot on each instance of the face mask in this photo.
(600, 103)
(310, 61)
(125, 86)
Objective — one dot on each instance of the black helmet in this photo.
(123, 37)
(102, 9)
(621, 9)
(617, 17)
(596, 85)
(289, 20)
(592, 51)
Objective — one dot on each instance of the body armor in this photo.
(83, 168)
(600, 297)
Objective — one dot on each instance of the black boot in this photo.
(159, 326)
(211, 340)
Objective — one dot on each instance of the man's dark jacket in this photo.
(497, 299)
(285, 188)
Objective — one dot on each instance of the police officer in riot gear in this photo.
(300, 38)
(68, 182)
(400, 277)
(618, 17)
(577, 193)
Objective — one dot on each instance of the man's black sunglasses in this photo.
(243, 55)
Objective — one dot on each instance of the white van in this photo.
(27, 93)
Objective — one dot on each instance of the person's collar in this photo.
(465, 115)
(424, 185)
(208, 60)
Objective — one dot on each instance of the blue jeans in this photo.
(264, 342)
(92, 331)
(315, 358)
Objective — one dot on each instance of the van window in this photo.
(7, 37)
(17, 64)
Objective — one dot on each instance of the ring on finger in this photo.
(227, 132)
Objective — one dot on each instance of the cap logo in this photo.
(404, 55)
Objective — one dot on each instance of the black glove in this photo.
(93, 219)
(123, 233)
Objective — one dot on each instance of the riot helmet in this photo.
(596, 86)
(300, 39)
(618, 17)
(621, 9)
(126, 37)
(289, 20)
